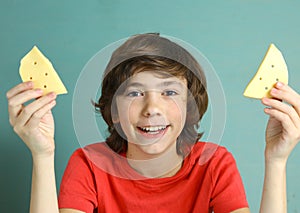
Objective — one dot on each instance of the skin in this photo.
(34, 124)
(147, 104)
(282, 135)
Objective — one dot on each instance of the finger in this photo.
(19, 88)
(39, 114)
(284, 119)
(15, 103)
(31, 108)
(287, 94)
(284, 108)
(11, 93)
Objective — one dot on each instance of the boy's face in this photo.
(152, 112)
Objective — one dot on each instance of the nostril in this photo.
(151, 112)
(148, 114)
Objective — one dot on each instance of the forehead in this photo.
(155, 78)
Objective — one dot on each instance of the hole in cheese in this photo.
(260, 78)
(45, 86)
(35, 63)
(46, 74)
(272, 66)
(266, 88)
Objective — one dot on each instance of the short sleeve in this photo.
(77, 189)
(229, 193)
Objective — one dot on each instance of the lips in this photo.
(153, 130)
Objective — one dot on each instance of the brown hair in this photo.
(146, 52)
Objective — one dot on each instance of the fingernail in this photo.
(267, 110)
(52, 95)
(29, 83)
(39, 91)
(279, 84)
(52, 103)
(265, 100)
(274, 91)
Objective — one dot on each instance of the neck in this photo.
(166, 164)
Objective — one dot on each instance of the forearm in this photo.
(43, 190)
(274, 189)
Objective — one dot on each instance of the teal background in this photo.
(233, 34)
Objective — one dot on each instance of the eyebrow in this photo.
(162, 84)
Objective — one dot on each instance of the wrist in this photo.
(43, 157)
(275, 159)
(45, 153)
(275, 163)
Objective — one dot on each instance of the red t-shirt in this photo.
(99, 180)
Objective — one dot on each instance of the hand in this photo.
(34, 122)
(283, 129)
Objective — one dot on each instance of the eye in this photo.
(169, 93)
(135, 94)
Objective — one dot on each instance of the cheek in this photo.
(178, 110)
(127, 111)
(183, 115)
(123, 115)
(122, 110)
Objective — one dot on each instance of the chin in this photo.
(156, 148)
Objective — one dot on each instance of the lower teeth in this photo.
(154, 132)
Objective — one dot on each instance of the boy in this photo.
(153, 97)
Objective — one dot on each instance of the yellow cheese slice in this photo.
(272, 69)
(35, 67)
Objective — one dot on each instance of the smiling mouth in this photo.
(153, 129)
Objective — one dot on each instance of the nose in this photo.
(152, 105)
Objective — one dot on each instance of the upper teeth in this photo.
(153, 128)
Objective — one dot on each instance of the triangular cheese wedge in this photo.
(35, 67)
(272, 69)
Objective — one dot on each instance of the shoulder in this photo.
(100, 160)
(219, 164)
(92, 150)
(86, 157)
(207, 152)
